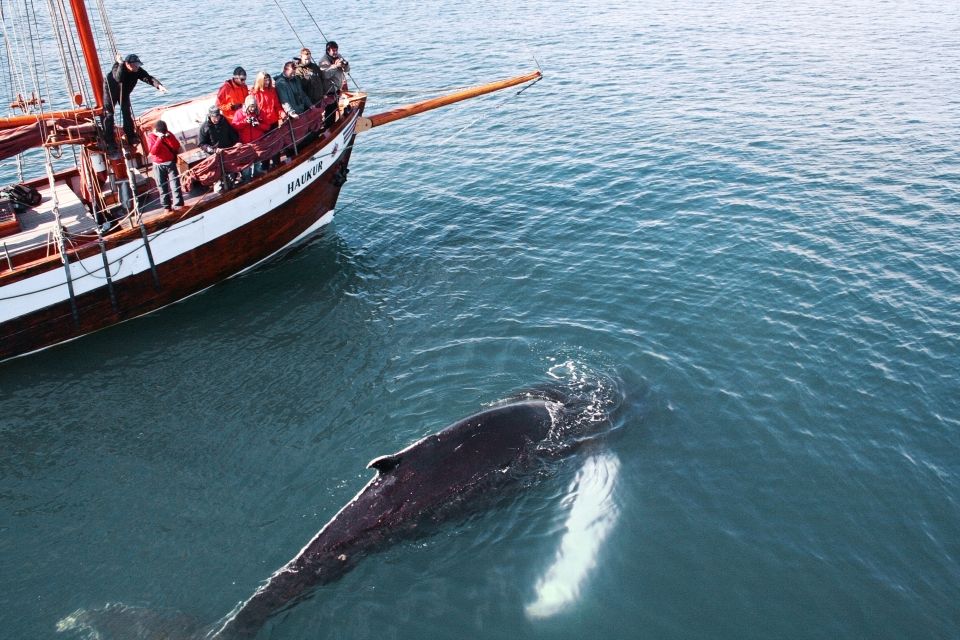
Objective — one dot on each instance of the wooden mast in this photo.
(89, 47)
(364, 124)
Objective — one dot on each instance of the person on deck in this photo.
(232, 93)
(249, 127)
(293, 100)
(267, 99)
(310, 76)
(216, 132)
(334, 70)
(163, 150)
(270, 110)
(117, 87)
(247, 122)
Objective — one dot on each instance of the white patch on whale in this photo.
(592, 516)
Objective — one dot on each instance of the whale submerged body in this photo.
(419, 482)
(431, 479)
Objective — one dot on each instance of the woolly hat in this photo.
(161, 126)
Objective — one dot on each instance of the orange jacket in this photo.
(231, 94)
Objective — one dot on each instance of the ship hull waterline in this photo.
(203, 250)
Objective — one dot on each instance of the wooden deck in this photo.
(37, 223)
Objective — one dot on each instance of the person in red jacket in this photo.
(267, 99)
(232, 93)
(271, 111)
(249, 126)
(163, 149)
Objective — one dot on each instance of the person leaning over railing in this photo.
(293, 100)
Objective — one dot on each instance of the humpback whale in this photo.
(429, 480)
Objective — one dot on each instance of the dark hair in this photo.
(239, 71)
(161, 126)
(332, 45)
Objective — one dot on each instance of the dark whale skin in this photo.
(422, 481)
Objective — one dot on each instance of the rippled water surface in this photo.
(741, 216)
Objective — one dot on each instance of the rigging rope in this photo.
(289, 23)
(326, 40)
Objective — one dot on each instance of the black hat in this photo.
(213, 111)
(161, 126)
(132, 58)
(239, 71)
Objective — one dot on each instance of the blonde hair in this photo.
(258, 84)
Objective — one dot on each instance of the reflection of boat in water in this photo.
(99, 249)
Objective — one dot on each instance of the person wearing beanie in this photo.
(164, 148)
(216, 132)
(232, 93)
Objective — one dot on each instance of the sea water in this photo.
(743, 214)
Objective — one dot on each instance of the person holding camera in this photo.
(164, 147)
(250, 127)
(334, 69)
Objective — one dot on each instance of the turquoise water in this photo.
(742, 216)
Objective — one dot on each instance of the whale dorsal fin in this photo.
(385, 464)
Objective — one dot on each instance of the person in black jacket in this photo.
(216, 132)
(118, 85)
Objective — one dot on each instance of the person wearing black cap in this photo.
(118, 85)
(216, 132)
(232, 93)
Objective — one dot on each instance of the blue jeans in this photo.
(166, 174)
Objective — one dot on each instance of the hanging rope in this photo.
(326, 40)
(289, 23)
(15, 51)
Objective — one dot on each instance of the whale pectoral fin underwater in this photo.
(118, 621)
(385, 464)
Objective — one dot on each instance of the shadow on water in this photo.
(312, 277)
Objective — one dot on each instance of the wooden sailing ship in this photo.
(98, 248)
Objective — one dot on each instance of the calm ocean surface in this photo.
(741, 217)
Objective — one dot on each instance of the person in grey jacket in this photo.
(334, 69)
(292, 97)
